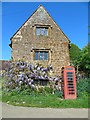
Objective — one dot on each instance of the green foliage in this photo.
(85, 59)
(74, 54)
(48, 90)
(83, 86)
(85, 64)
(59, 93)
(43, 101)
(44, 97)
(80, 58)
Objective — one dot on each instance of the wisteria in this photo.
(22, 74)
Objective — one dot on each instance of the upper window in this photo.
(41, 55)
(42, 31)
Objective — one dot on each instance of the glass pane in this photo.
(36, 55)
(37, 31)
(41, 56)
(69, 68)
(42, 31)
(46, 31)
(70, 76)
(45, 55)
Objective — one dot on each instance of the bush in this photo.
(26, 77)
(83, 86)
(48, 90)
(59, 93)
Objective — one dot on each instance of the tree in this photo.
(80, 59)
(74, 54)
(85, 59)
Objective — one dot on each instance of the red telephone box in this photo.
(69, 82)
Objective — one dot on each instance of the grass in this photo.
(49, 100)
(33, 99)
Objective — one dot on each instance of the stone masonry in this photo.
(25, 41)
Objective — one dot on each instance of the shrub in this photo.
(26, 77)
(59, 93)
(83, 86)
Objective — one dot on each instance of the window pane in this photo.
(41, 56)
(42, 31)
(45, 55)
(70, 75)
(69, 68)
(37, 31)
(36, 55)
(46, 32)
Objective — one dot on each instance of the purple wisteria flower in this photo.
(38, 68)
(25, 74)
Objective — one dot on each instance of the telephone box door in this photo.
(69, 83)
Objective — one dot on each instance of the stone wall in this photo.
(25, 41)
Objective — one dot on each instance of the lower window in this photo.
(41, 55)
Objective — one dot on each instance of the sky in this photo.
(71, 17)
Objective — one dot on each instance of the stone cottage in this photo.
(40, 40)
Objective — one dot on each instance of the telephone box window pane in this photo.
(46, 56)
(70, 76)
(69, 73)
(69, 68)
(36, 55)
